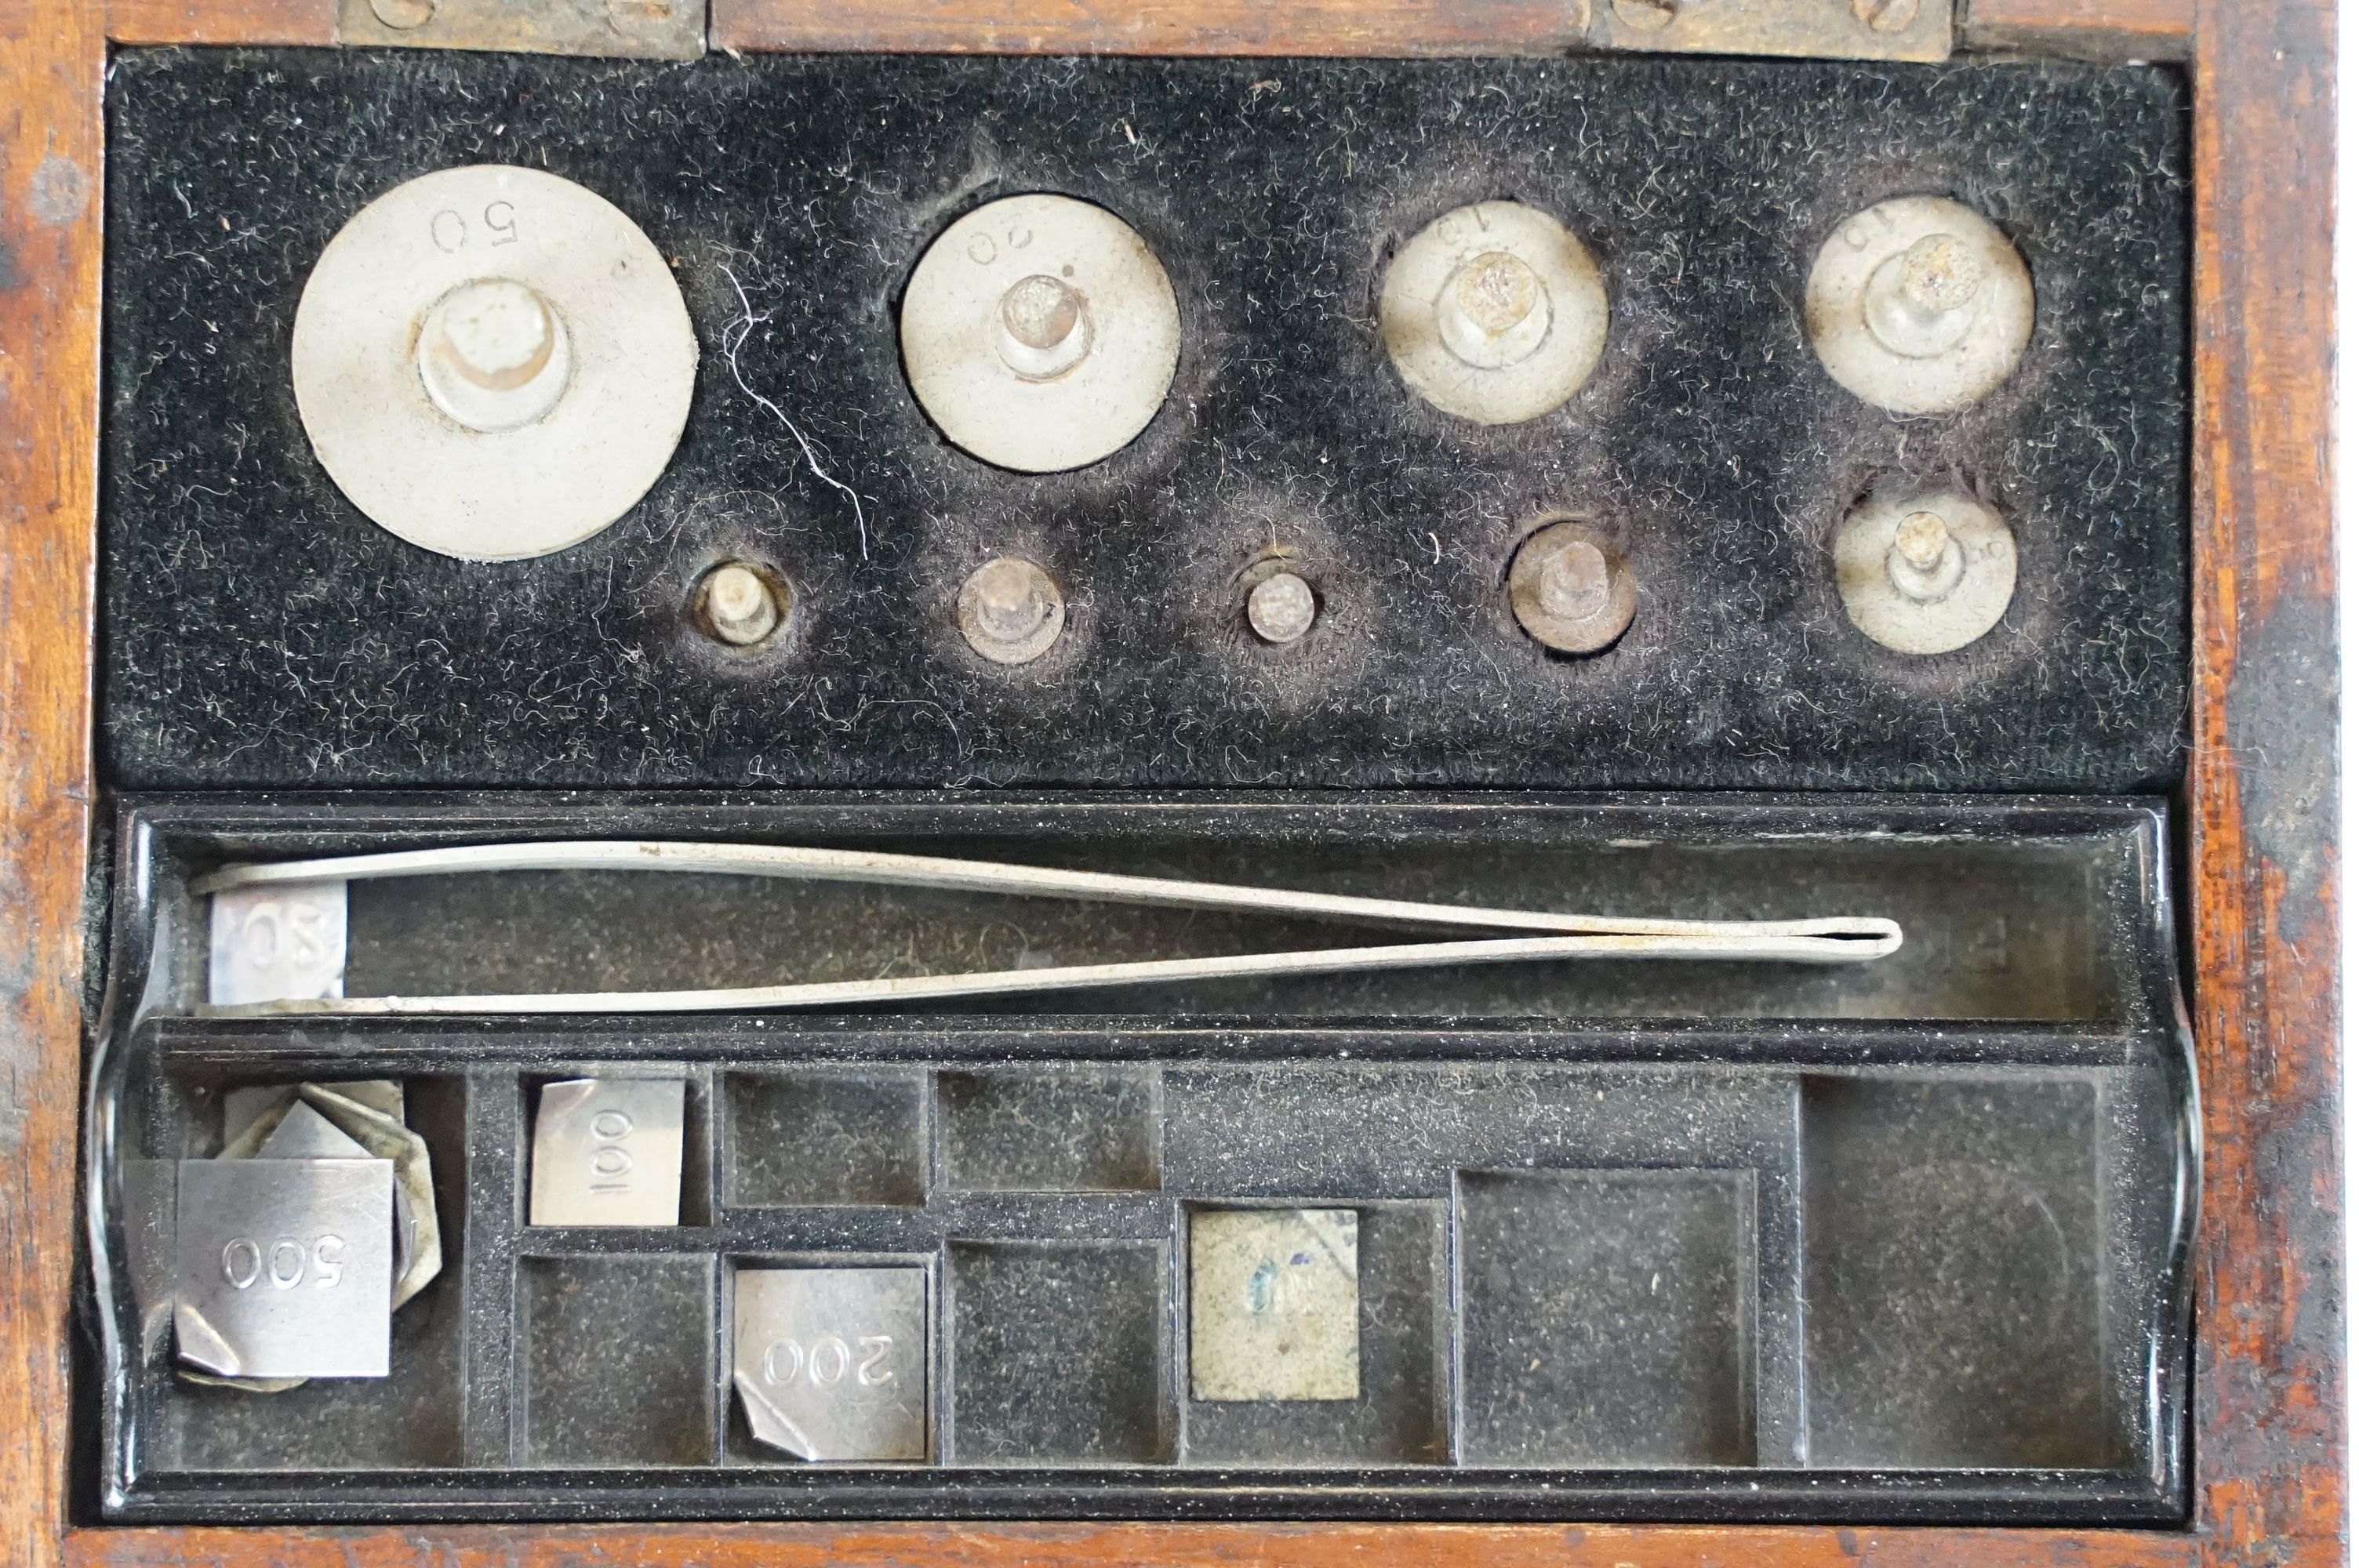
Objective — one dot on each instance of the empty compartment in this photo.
(1050, 1128)
(1951, 1259)
(1608, 1317)
(410, 1418)
(822, 1137)
(616, 1362)
(1397, 1417)
(1356, 1130)
(1058, 1352)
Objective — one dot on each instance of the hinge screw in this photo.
(639, 15)
(403, 14)
(1885, 16)
(1648, 16)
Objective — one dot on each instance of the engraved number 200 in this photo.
(828, 1360)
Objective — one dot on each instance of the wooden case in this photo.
(2257, 809)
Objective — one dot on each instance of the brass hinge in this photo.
(1821, 30)
(675, 29)
(636, 29)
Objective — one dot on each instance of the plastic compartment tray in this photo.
(1656, 1245)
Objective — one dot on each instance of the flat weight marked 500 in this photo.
(285, 1266)
(286, 1262)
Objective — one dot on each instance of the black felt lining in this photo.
(258, 632)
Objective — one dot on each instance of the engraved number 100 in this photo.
(610, 1162)
(828, 1360)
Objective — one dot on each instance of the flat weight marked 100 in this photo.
(606, 1152)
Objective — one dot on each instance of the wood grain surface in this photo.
(51, 60)
(2104, 29)
(1131, 1546)
(221, 21)
(2261, 789)
(2087, 29)
(1391, 27)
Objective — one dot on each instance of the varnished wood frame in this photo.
(2259, 803)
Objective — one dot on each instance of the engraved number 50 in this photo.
(293, 932)
(450, 230)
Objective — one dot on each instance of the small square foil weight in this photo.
(286, 1267)
(1274, 1303)
(606, 1152)
(831, 1363)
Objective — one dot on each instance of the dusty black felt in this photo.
(259, 632)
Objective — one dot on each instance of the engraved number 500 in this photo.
(285, 1262)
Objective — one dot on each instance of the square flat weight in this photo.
(1274, 1304)
(286, 1267)
(831, 1363)
(606, 1152)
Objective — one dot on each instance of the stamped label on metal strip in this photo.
(279, 943)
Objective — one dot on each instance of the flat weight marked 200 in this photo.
(831, 1362)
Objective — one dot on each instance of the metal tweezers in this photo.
(1541, 935)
